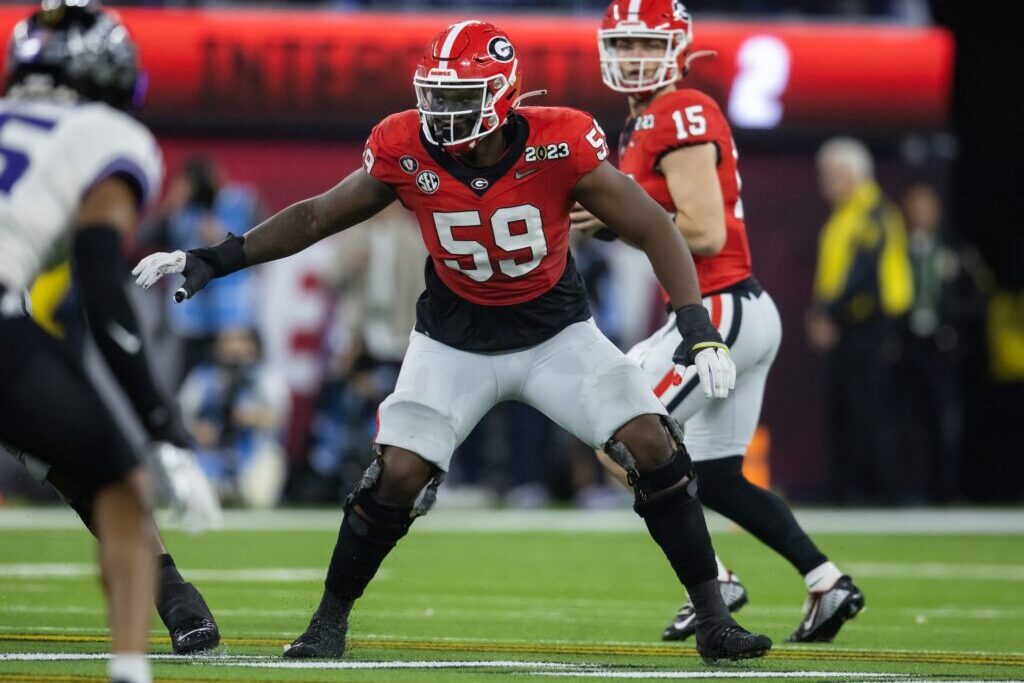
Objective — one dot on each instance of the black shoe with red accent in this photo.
(826, 611)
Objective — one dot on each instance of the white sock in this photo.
(822, 577)
(129, 668)
(723, 573)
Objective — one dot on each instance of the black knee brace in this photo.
(658, 483)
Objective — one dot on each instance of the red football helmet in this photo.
(666, 21)
(466, 84)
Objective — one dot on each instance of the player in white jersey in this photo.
(75, 171)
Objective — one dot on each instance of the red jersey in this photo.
(498, 237)
(677, 119)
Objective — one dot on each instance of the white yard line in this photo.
(77, 570)
(561, 669)
(854, 521)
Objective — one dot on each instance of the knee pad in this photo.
(671, 479)
(376, 522)
(381, 522)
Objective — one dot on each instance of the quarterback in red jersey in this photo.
(504, 315)
(678, 146)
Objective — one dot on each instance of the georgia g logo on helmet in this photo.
(501, 49)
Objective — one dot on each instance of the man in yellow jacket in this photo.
(862, 286)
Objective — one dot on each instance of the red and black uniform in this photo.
(500, 275)
(678, 119)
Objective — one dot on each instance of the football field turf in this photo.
(472, 596)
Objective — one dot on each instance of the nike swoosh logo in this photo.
(809, 621)
(129, 343)
(523, 172)
(194, 631)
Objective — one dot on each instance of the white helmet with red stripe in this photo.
(664, 21)
(466, 84)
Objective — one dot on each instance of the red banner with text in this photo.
(239, 72)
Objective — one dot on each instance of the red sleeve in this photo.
(590, 147)
(379, 157)
(688, 117)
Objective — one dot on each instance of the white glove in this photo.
(150, 269)
(192, 495)
(717, 372)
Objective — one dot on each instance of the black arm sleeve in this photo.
(100, 268)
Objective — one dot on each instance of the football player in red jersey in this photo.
(678, 146)
(504, 315)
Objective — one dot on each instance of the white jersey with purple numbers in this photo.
(50, 156)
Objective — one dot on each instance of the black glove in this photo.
(698, 333)
(206, 263)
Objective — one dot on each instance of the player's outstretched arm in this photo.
(625, 208)
(355, 199)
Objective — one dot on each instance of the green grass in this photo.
(598, 599)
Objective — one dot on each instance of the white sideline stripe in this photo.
(536, 668)
(992, 521)
(73, 570)
(935, 570)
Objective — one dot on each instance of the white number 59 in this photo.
(596, 138)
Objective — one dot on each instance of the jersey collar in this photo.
(518, 132)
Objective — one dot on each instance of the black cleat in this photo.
(684, 625)
(826, 611)
(187, 618)
(730, 642)
(320, 641)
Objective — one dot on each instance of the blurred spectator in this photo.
(862, 287)
(928, 367)
(235, 406)
(378, 277)
(201, 207)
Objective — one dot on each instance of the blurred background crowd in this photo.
(903, 350)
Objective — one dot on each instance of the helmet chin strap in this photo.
(532, 93)
(696, 55)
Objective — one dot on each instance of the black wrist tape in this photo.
(225, 257)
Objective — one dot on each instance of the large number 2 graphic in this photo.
(501, 225)
(15, 162)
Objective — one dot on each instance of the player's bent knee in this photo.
(403, 475)
(668, 483)
(645, 437)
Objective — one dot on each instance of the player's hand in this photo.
(151, 269)
(165, 424)
(702, 347)
(191, 494)
(586, 223)
(582, 220)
